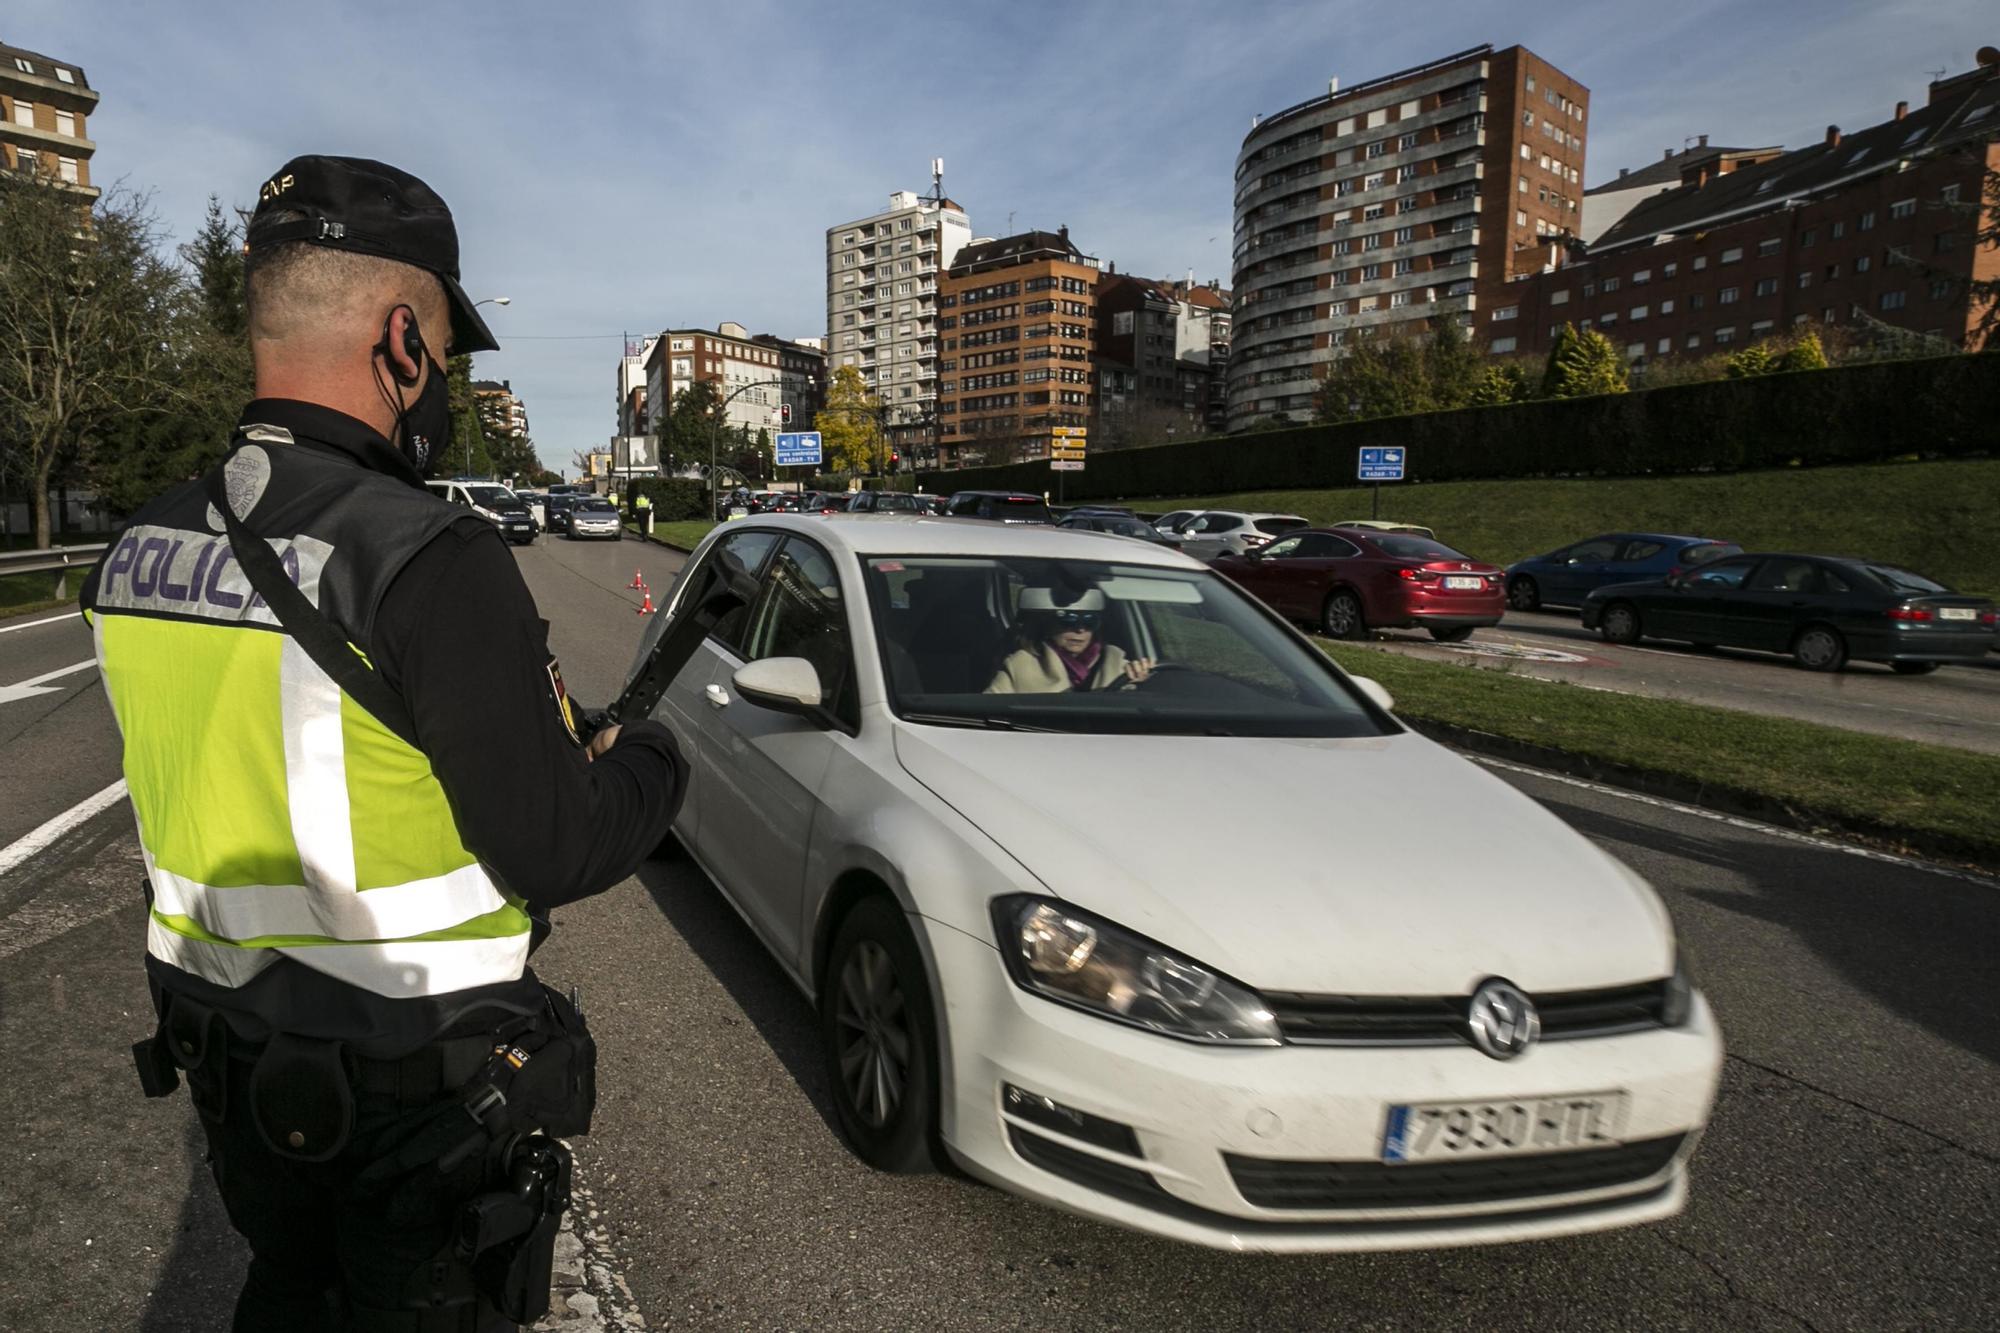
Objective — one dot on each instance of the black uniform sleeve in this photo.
(457, 635)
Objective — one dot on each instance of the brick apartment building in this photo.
(1017, 318)
(802, 366)
(727, 357)
(44, 108)
(501, 412)
(1862, 230)
(1161, 363)
(1376, 209)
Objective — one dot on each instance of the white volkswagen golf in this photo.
(1109, 886)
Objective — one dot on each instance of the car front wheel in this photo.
(878, 1037)
(1341, 617)
(1524, 594)
(1620, 623)
(1820, 649)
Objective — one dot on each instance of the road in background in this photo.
(1957, 706)
(58, 743)
(1850, 1180)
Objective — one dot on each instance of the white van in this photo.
(492, 502)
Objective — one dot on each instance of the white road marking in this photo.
(28, 689)
(38, 840)
(1739, 822)
(9, 629)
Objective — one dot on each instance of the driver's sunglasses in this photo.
(1077, 619)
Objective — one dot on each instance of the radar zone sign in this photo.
(798, 448)
(1381, 465)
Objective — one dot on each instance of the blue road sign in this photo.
(1381, 465)
(798, 448)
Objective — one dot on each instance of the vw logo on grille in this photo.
(1502, 1021)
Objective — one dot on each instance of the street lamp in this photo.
(493, 300)
(715, 429)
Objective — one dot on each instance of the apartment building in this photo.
(1872, 231)
(1162, 356)
(802, 367)
(501, 413)
(1376, 209)
(1017, 320)
(882, 278)
(747, 373)
(633, 415)
(45, 105)
(1604, 205)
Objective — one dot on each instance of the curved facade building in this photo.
(1375, 210)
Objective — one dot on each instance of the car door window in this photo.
(1286, 549)
(1727, 575)
(749, 548)
(1784, 576)
(1641, 550)
(800, 613)
(1592, 551)
(1319, 546)
(1830, 581)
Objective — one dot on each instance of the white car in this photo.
(1234, 531)
(594, 516)
(1219, 951)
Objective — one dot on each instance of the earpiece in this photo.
(413, 346)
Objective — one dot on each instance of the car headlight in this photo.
(1077, 959)
(1677, 1004)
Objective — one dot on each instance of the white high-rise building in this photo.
(882, 276)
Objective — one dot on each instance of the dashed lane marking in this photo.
(1739, 822)
(9, 629)
(40, 839)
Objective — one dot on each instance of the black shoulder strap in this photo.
(325, 644)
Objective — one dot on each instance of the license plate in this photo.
(1437, 1131)
(1460, 583)
(1957, 613)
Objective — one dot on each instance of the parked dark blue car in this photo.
(1566, 577)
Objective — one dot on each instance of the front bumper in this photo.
(593, 529)
(1192, 1107)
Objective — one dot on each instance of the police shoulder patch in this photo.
(565, 710)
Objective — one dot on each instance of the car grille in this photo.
(1426, 1020)
(1277, 1184)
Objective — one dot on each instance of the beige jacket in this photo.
(1040, 670)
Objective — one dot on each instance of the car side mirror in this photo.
(1378, 696)
(781, 684)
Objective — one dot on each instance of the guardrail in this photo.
(60, 559)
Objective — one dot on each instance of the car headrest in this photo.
(1048, 599)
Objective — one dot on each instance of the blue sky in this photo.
(640, 166)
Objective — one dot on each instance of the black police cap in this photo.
(371, 208)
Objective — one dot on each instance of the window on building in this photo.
(1693, 341)
(1668, 270)
(1948, 195)
(1527, 154)
(1337, 310)
(1893, 300)
(1700, 263)
(1527, 117)
(23, 65)
(1406, 143)
(1867, 222)
(1944, 242)
(24, 113)
(1696, 300)
(1372, 241)
(1531, 83)
(1809, 238)
(64, 76)
(1407, 204)
(1521, 218)
(1761, 327)
(1940, 288)
(1404, 235)
(1608, 319)
(1642, 277)
(1664, 346)
(1903, 208)
(1374, 180)
(1404, 266)
(1611, 284)
(1734, 254)
(1863, 263)
(1727, 296)
(1725, 335)
(1765, 287)
(1506, 312)
(1770, 246)
(1378, 148)
(1559, 298)
(1805, 281)
(1524, 185)
(67, 169)
(1636, 312)
(1667, 307)
(1399, 298)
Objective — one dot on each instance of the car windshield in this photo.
(888, 501)
(1903, 581)
(1707, 551)
(492, 497)
(1406, 547)
(597, 505)
(1035, 644)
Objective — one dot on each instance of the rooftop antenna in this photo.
(1010, 224)
(1935, 74)
(937, 180)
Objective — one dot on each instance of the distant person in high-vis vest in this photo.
(360, 787)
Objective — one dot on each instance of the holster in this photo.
(300, 1098)
(194, 1038)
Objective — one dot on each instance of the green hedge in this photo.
(674, 498)
(1939, 407)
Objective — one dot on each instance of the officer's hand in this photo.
(602, 741)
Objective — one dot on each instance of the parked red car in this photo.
(1348, 581)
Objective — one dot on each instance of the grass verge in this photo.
(22, 593)
(1941, 518)
(686, 535)
(1924, 797)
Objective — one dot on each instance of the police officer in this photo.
(361, 786)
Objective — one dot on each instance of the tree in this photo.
(1508, 382)
(467, 453)
(87, 325)
(1453, 368)
(850, 425)
(1805, 353)
(1388, 377)
(1747, 362)
(1582, 363)
(691, 421)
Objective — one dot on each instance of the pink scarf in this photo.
(1081, 664)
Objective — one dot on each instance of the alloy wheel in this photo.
(873, 1023)
(1523, 595)
(1621, 624)
(1820, 649)
(1343, 616)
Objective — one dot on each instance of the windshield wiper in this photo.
(981, 723)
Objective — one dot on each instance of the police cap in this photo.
(371, 208)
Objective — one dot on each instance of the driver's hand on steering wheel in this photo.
(1138, 670)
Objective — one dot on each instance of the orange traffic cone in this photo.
(637, 580)
(646, 606)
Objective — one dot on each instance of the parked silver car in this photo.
(1235, 531)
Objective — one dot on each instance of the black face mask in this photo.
(423, 429)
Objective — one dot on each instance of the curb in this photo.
(1709, 796)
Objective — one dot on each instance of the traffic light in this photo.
(895, 462)
(784, 414)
